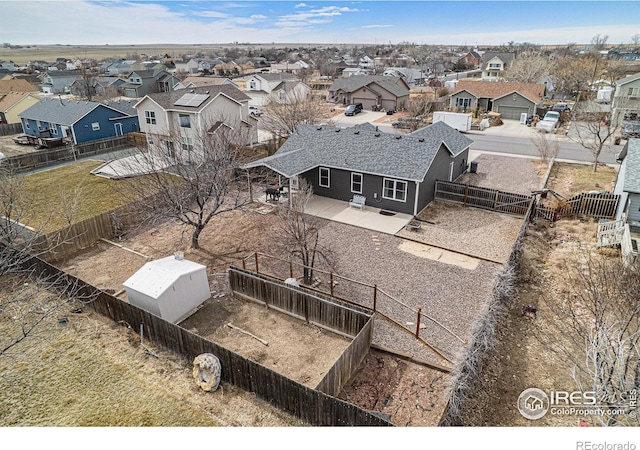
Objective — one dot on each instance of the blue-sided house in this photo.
(78, 121)
(394, 172)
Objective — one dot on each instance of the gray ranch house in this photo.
(389, 91)
(394, 172)
(509, 99)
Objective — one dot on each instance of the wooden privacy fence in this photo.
(352, 321)
(597, 205)
(307, 404)
(43, 158)
(428, 331)
(484, 198)
(7, 129)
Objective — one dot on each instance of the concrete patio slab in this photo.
(369, 217)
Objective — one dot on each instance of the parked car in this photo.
(549, 122)
(408, 122)
(631, 130)
(353, 109)
(255, 111)
(561, 107)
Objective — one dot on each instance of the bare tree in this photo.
(593, 131)
(635, 40)
(419, 106)
(599, 314)
(573, 74)
(546, 148)
(192, 179)
(283, 116)
(529, 67)
(599, 41)
(300, 232)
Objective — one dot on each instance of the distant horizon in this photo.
(321, 22)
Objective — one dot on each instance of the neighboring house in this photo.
(509, 99)
(494, 65)
(120, 67)
(184, 112)
(16, 85)
(366, 63)
(231, 68)
(14, 103)
(347, 72)
(396, 173)
(144, 82)
(628, 183)
(59, 81)
(410, 75)
(473, 58)
(279, 87)
(8, 65)
(102, 86)
(370, 90)
(288, 67)
(626, 98)
(194, 82)
(78, 121)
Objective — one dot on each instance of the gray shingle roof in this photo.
(628, 79)
(167, 99)
(276, 76)
(125, 106)
(632, 175)
(60, 111)
(352, 84)
(505, 57)
(364, 149)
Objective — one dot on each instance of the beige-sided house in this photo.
(511, 100)
(14, 103)
(370, 90)
(189, 113)
(278, 87)
(494, 65)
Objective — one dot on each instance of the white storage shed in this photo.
(170, 287)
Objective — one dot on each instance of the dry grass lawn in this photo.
(93, 372)
(70, 194)
(570, 179)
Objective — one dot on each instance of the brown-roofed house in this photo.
(7, 86)
(511, 100)
(14, 103)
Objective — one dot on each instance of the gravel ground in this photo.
(506, 173)
(452, 295)
(476, 232)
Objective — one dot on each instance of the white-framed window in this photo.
(451, 167)
(463, 102)
(95, 126)
(149, 139)
(634, 92)
(53, 128)
(187, 143)
(185, 120)
(394, 190)
(324, 178)
(252, 84)
(26, 124)
(150, 117)
(356, 183)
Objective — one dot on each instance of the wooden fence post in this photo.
(466, 194)
(375, 296)
(495, 200)
(331, 282)
(290, 269)
(244, 263)
(418, 323)
(255, 256)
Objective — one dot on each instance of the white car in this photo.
(549, 122)
(254, 111)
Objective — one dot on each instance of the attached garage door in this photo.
(512, 112)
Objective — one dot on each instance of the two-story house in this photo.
(187, 114)
(392, 93)
(284, 87)
(58, 81)
(494, 65)
(144, 82)
(13, 103)
(626, 99)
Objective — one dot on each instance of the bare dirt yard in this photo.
(9, 148)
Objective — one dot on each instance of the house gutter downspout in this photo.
(415, 205)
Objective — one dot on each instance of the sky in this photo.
(118, 22)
